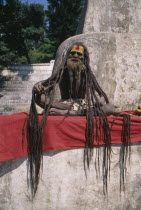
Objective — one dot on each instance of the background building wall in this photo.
(16, 83)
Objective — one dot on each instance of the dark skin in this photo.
(60, 108)
(57, 108)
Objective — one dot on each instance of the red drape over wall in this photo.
(60, 133)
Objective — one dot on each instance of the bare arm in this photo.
(59, 108)
(40, 98)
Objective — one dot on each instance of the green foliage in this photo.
(28, 34)
(44, 53)
(8, 108)
(6, 56)
(22, 26)
(63, 17)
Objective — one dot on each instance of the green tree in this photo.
(6, 56)
(22, 27)
(44, 53)
(63, 17)
(27, 35)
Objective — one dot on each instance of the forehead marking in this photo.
(77, 47)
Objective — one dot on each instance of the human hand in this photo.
(39, 88)
(108, 108)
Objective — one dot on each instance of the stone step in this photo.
(17, 84)
(16, 101)
(15, 94)
(9, 112)
(15, 108)
(4, 90)
(5, 113)
(30, 67)
(12, 90)
(26, 72)
(37, 77)
(12, 106)
(6, 109)
(16, 97)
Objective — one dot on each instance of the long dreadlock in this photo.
(96, 121)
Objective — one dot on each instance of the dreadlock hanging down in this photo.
(96, 120)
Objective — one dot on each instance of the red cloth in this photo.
(60, 133)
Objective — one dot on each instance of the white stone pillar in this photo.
(112, 33)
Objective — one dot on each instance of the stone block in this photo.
(115, 61)
(66, 187)
(122, 16)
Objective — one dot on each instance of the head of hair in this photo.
(96, 119)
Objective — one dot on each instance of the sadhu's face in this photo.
(77, 53)
(76, 58)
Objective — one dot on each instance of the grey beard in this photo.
(74, 69)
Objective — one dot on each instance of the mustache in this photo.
(73, 59)
(74, 64)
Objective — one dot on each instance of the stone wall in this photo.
(64, 185)
(112, 35)
(16, 84)
(113, 16)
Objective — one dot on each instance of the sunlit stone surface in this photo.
(112, 33)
